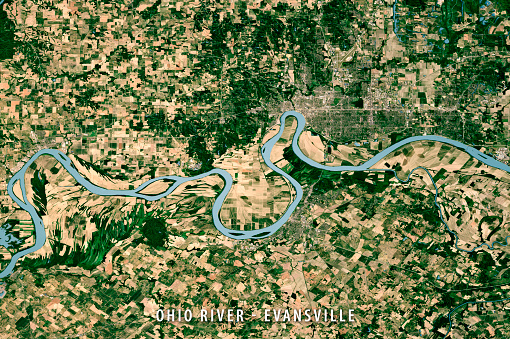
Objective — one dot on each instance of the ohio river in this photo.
(40, 234)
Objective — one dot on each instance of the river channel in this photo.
(40, 234)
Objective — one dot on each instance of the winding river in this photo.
(65, 161)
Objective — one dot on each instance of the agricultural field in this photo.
(174, 182)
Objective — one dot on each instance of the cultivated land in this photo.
(143, 89)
